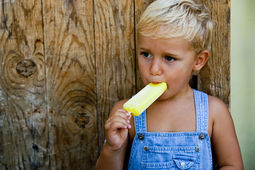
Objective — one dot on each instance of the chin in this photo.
(163, 97)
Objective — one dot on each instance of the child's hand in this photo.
(116, 129)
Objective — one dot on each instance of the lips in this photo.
(156, 82)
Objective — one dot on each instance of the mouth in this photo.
(156, 82)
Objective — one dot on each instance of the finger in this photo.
(118, 125)
(119, 118)
(123, 113)
(120, 115)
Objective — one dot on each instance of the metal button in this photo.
(141, 137)
(201, 136)
(146, 148)
(182, 164)
(197, 149)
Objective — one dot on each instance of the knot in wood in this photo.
(81, 119)
(35, 147)
(26, 68)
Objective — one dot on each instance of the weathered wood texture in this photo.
(70, 83)
(24, 127)
(115, 68)
(63, 65)
(214, 78)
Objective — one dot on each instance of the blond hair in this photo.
(188, 19)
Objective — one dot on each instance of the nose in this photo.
(155, 68)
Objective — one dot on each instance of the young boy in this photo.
(180, 128)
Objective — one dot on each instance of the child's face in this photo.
(166, 60)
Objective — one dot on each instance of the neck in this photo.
(184, 93)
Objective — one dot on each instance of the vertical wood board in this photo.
(115, 69)
(22, 110)
(214, 78)
(71, 90)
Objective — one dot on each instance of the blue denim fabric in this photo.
(174, 150)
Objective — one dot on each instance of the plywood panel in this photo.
(23, 118)
(115, 63)
(71, 90)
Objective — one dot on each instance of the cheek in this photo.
(184, 68)
(144, 71)
(143, 66)
(179, 74)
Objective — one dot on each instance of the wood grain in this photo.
(63, 65)
(23, 130)
(215, 77)
(114, 42)
(71, 90)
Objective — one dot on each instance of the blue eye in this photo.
(145, 54)
(169, 58)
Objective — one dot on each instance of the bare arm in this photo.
(111, 159)
(116, 133)
(224, 138)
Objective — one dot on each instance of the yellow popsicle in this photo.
(144, 98)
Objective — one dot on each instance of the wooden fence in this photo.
(64, 63)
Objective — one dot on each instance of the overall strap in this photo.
(202, 114)
(140, 123)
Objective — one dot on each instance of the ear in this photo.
(201, 60)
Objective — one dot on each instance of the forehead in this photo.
(165, 44)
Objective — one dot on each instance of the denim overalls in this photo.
(174, 150)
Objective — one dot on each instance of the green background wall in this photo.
(243, 76)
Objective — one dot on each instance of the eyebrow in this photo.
(165, 53)
(144, 49)
(170, 54)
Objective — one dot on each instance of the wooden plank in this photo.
(71, 90)
(23, 119)
(215, 77)
(115, 60)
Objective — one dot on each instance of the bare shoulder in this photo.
(217, 108)
(223, 136)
